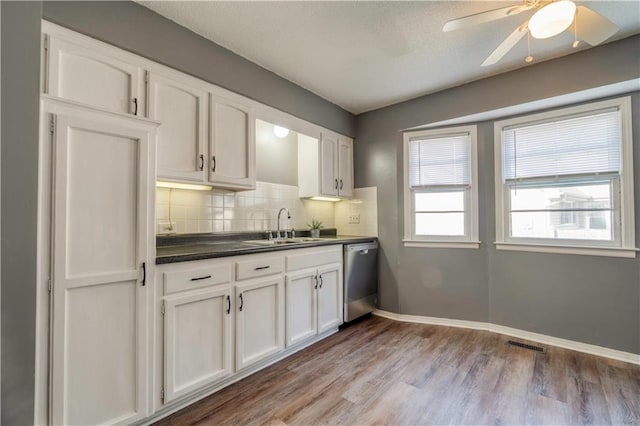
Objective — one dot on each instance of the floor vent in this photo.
(524, 345)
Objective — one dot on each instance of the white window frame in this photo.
(623, 226)
(470, 239)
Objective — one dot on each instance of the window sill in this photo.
(441, 244)
(580, 250)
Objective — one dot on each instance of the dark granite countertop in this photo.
(183, 248)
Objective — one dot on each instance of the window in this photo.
(564, 181)
(441, 193)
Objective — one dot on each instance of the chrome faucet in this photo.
(288, 217)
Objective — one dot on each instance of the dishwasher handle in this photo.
(361, 248)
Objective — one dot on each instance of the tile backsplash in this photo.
(359, 215)
(221, 211)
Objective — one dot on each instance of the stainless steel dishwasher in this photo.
(360, 279)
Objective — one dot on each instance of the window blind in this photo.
(439, 161)
(586, 144)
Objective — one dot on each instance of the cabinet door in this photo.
(259, 320)
(180, 107)
(345, 167)
(329, 297)
(103, 174)
(328, 173)
(300, 299)
(232, 144)
(88, 76)
(198, 340)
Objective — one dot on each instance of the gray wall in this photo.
(585, 298)
(276, 158)
(135, 28)
(20, 88)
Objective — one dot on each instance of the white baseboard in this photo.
(522, 334)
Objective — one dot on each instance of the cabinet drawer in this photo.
(314, 258)
(259, 267)
(196, 278)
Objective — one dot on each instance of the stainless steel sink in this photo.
(282, 241)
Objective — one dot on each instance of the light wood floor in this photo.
(379, 371)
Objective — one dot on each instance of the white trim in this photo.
(442, 244)
(626, 226)
(471, 210)
(581, 250)
(514, 332)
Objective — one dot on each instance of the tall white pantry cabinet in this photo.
(103, 255)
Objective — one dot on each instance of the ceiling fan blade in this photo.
(479, 18)
(593, 27)
(506, 45)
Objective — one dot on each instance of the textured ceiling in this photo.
(366, 55)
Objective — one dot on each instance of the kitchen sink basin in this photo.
(282, 241)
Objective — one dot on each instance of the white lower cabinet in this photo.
(329, 297)
(301, 296)
(224, 317)
(313, 300)
(259, 320)
(313, 289)
(198, 340)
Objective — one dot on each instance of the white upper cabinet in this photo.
(96, 77)
(325, 166)
(328, 166)
(232, 144)
(180, 104)
(103, 263)
(345, 167)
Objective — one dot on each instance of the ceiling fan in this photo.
(551, 18)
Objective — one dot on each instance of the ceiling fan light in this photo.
(552, 19)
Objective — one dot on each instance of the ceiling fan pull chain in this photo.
(529, 58)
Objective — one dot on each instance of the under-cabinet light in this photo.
(325, 199)
(176, 185)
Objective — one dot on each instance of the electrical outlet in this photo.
(166, 228)
(354, 218)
